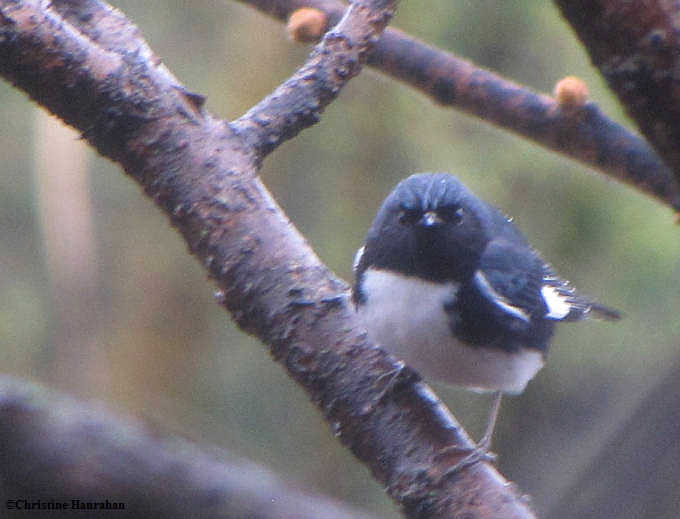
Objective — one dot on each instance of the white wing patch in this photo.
(498, 299)
(558, 305)
(357, 258)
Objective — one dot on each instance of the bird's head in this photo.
(431, 226)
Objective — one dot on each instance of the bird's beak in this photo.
(430, 220)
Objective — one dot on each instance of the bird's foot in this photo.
(396, 379)
(474, 455)
(482, 451)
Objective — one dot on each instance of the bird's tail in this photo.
(604, 312)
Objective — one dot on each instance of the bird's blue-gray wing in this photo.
(518, 282)
(510, 278)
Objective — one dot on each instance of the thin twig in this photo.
(586, 135)
(299, 101)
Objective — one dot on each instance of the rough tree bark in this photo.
(635, 46)
(203, 173)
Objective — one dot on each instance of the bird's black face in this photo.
(430, 226)
(425, 220)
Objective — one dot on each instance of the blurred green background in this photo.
(99, 297)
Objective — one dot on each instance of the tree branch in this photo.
(297, 103)
(636, 46)
(202, 173)
(55, 449)
(586, 135)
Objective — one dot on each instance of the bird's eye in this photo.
(452, 213)
(409, 216)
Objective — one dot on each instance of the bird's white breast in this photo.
(406, 316)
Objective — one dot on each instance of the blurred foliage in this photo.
(163, 350)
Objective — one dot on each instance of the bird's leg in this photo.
(484, 443)
(481, 451)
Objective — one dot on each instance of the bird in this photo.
(450, 285)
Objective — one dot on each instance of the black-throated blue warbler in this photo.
(451, 286)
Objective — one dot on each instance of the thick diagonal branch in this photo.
(203, 174)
